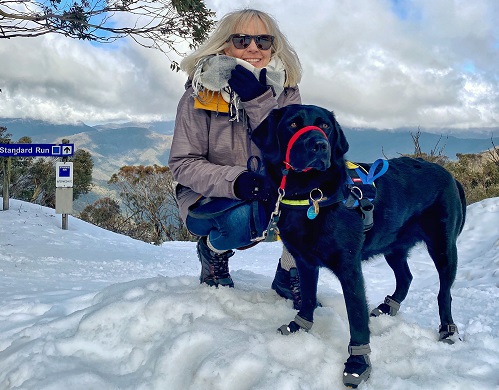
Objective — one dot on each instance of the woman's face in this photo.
(252, 54)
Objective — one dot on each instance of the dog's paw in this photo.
(295, 325)
(449, 334)
(286, 330)
(389, 306)
(357, 369)
(380, 310)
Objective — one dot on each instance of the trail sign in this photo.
(36, 150)
(63, 174)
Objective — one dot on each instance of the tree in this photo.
(82, 172)
(160, 24)
(41, 179)
(436, 155)
(4, 136)
(6, 164)
(147, 197)
(19, 174)
(478, 173)
(105, 213)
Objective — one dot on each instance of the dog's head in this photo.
(311, 149)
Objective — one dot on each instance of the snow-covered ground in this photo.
(85, 308)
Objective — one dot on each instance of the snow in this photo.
(86, 308)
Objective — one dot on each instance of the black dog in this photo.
(303, 150)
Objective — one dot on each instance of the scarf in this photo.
(212, 91)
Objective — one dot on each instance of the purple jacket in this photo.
(209, 152)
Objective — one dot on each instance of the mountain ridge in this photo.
(113, 146)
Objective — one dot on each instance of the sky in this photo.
(85, 308)
(375, 63)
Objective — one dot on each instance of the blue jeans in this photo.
(228, 223)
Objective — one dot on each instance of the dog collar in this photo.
(326, 201)
(315, 201)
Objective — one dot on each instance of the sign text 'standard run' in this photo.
(36, 150)
(26, 150)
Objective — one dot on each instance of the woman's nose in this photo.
(252, 46)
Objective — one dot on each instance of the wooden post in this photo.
(6, 182)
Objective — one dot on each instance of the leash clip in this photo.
(272, 230)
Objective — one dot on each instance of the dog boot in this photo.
(287, 285)
(214, 266)
(449, 334)
(390, 306)
(358, 366)
(294, 326)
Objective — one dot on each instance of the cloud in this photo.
(376, 63)
(59, 79)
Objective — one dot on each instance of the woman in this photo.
(243, 71)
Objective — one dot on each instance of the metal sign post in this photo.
(64, 191)
(6, 183)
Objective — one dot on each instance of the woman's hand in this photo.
(245, 84)
(252, 186)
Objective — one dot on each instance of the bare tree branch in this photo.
(159, 24)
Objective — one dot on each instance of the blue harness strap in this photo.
(372, 175)
(369, 177)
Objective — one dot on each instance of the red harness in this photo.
(291, 142)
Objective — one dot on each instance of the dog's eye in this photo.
(293, 125)
(324, 126)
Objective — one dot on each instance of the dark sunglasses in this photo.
(242, 41)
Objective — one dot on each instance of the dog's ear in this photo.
(265, 135)
(341, 145)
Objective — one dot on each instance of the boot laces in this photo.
(294, 284)
(221, 265)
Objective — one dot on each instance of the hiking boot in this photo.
(287, 285)
(214, 266)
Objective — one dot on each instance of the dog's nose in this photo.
(320, 146)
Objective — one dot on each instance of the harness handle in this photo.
(274, 218)
(371, 176)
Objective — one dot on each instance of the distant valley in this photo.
(115, 145)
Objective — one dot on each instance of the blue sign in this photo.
(63, 174)
(64, 171)
(36, 150)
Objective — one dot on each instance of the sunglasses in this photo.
(242, 41)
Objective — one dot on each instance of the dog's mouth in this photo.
(319, 164)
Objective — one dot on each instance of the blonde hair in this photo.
(228, 25)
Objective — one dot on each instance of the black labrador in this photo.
(303, 150)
